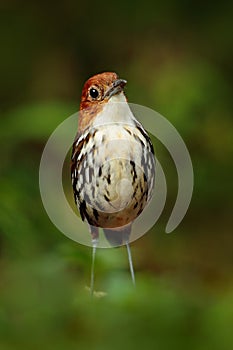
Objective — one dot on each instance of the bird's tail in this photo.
(118, 236)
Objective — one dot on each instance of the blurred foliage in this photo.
(177, 58)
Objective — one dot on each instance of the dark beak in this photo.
(117, 86)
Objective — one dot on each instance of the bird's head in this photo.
(100, 88)
(97, 91)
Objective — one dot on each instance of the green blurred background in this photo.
(177, 57)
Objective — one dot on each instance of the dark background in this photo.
(177, 57)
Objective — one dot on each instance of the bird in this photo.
(112, 163)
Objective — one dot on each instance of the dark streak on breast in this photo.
(144, 177)
(96, 214)
(135, 191)
(91, 173)
(83, 210)
(140, 209)
(109, 179)
(133, 170)
(128, 131)
(146, 136)
(106, 198)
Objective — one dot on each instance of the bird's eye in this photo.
(94, 93)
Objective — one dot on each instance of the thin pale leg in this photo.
(130, 263)
(95, 239)
(94, 246)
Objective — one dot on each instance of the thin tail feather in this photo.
(118, 236)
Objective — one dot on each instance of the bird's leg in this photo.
(130, 262)
(95, 239)
(94, 245)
